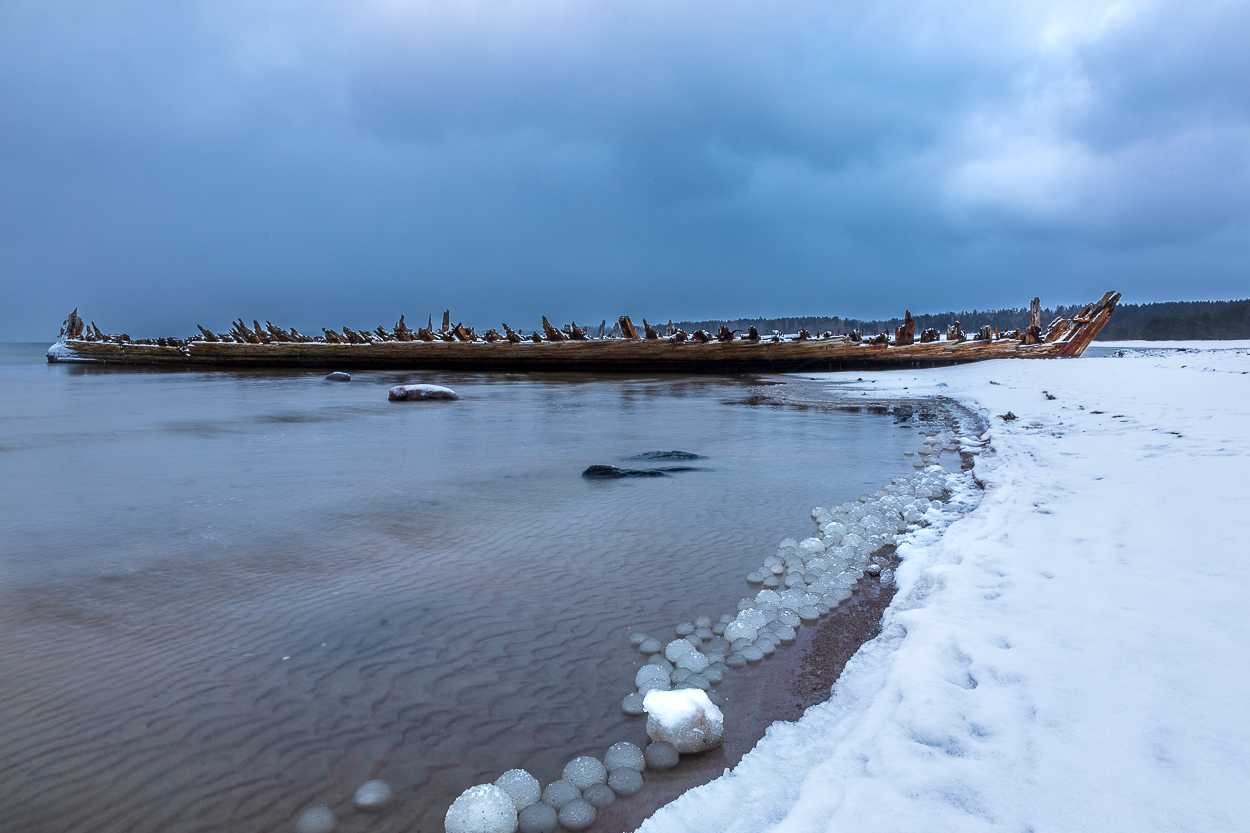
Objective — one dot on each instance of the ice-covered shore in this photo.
(1070, 656)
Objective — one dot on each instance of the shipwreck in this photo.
(574, 348)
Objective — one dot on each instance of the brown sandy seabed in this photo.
(96, 773)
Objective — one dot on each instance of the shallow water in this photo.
(224, 596)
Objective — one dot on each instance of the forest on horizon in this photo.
(1160, 321)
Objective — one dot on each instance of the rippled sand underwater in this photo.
(228, 596)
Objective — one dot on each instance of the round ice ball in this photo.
(810, 547)
(625, 780)
(661, 755)
(624, 754)
(873, 569)
(735, 660)
(651, 676)
(685, 629)
(637, 638)
(736, 630)
(772, 581)
(703, 622)
(677, 649)
(484, 808)
(632, 703)
(755, 577)
(578, 814)
(787, 635)
(559, 793)
(316, 819)
(650, 645)
(809, 613)
(704, 634)
(599, 796)
(538, 818)
(713, 674)
(752, 654)
(374, 795)
(585, 770)
(693, 662)
(522, 787)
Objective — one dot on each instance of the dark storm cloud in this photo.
(334, 163)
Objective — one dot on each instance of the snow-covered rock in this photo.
(686, 718)
(372, 795)
(420, 393)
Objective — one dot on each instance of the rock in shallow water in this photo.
(338, 376)
(686, 718)
(372, 795)
(666, 455)
(420, 393)
(603, 472)
(632, 703)
(484, 808)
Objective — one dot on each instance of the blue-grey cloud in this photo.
(326, 163)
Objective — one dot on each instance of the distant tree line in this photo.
(1155, 322)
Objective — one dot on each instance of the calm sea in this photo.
(224, 596)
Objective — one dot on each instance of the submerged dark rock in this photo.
(602, 472)
(338, 376)
(666, 455)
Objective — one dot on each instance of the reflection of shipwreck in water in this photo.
(573, 348)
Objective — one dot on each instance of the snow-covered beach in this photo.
(1069, 656)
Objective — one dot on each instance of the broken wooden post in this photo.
(1033, 332)
(929, 335)
(955, 332)
(627, 328)
(602, 326)
(651, 334)
(511, 334)
(551, 332)
(575, 332)
(906, 334)
(208, 334)
(701, 336)
(752, 333)
(724, 334)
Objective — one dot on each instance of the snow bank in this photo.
(1069, 656)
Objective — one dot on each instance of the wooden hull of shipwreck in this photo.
(1064, 339)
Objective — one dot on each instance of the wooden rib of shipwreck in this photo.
(571, 348)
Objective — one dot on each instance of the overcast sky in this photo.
(164, 162)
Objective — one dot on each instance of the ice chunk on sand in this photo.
(578, 814)
(677, 649)
(624, 754)
(520, 786)
(538, 818)
(585, 771)
(419, 393)
(650, 645)
(374, 795)
(632, 703)
(599, 796)
(484, 808)
(316, 819)
(625, 780)
(559, 793)
(651, 677)
(661, 755)
(686, 718)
